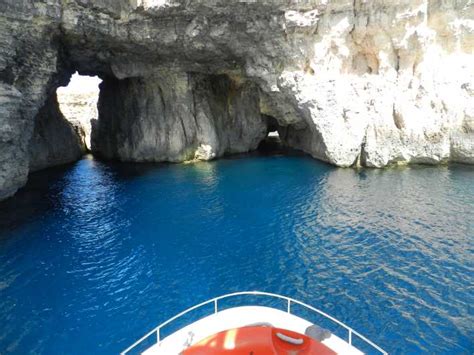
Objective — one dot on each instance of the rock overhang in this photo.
(366, 83)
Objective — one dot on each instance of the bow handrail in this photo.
(289, 301)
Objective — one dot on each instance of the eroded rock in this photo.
(174, 116)
(55, 141)
(367, 83)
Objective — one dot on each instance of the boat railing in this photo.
(289, 302)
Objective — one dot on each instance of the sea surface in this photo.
(93, 255)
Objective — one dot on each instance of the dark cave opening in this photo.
(272, 143)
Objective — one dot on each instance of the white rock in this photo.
(350, 82)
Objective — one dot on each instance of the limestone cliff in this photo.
(177, 117)
(351, 82)
(55, 141)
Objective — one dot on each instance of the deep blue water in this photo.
(94, 255)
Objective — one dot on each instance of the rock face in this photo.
(55, 141)
(177, 117)
(361, 82)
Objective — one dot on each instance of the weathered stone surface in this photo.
(13, 165)
(177, 117)
(29, 66)
(55, 141)
(350, 82)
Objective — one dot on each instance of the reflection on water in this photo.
(413, 224)
(94, 254)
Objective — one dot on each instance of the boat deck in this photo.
(239, 317)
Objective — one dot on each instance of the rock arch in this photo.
(333, 74)
(177, 116)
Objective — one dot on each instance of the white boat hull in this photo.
(240, 317)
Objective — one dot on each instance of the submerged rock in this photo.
(350, 82)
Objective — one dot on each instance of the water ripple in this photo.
(93, 255)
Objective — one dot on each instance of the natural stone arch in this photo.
(348, 80)
(177, 116)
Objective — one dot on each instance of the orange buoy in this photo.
(258, 340)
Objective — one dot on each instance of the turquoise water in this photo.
(94, 255)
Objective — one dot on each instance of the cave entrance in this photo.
(78, 104)
(272, 142)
